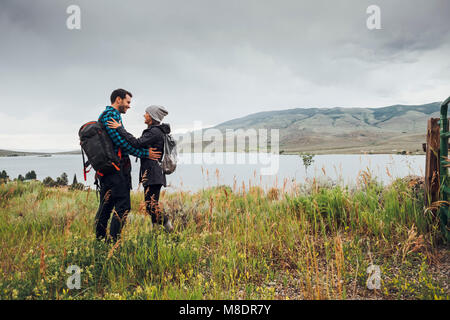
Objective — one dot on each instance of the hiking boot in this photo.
(168, 226)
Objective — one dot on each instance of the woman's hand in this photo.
(113, 124)
(154, 155)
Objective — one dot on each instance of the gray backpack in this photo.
(169, 161)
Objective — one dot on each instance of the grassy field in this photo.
(312, 242)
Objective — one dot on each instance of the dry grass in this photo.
(311, 242)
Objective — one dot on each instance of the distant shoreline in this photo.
(12, 154)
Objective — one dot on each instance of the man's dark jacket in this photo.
(153, 137)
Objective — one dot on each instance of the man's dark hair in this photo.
(121, 93)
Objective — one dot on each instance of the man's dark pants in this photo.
(114, 194)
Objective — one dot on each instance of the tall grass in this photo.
(312, 242)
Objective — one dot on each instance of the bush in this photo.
(4, 178)
(49, 182)
(4, 175)
(62, 180)
(307, 159)
(30, 175)
(76, 185)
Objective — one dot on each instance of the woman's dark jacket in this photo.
(152, 137)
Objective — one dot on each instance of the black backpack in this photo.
(99, 149)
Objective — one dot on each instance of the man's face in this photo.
(124, 104)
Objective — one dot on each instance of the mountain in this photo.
(389, 129)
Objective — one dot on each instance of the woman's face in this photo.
(148, 119)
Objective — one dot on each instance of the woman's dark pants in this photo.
(151, 201)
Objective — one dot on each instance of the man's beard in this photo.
(122, 109)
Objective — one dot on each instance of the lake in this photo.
(197, 171)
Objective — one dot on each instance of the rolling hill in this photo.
(389, 129)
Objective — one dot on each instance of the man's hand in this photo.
(154, 155)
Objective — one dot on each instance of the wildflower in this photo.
(139, 290)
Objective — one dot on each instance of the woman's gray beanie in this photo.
(157, 112)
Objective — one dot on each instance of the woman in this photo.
(151, 174)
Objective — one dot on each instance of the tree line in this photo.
(61, 181)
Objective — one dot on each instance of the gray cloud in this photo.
(212, 60)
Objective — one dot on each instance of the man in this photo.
(115, 187)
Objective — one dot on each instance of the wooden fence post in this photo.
(432, 162)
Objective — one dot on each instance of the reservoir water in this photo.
(197, 171)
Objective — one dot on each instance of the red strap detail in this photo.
(100, 174)
(115, 166)
(87, 124)
(85, 172)
(119, 153)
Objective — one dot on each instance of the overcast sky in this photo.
(211, 60)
